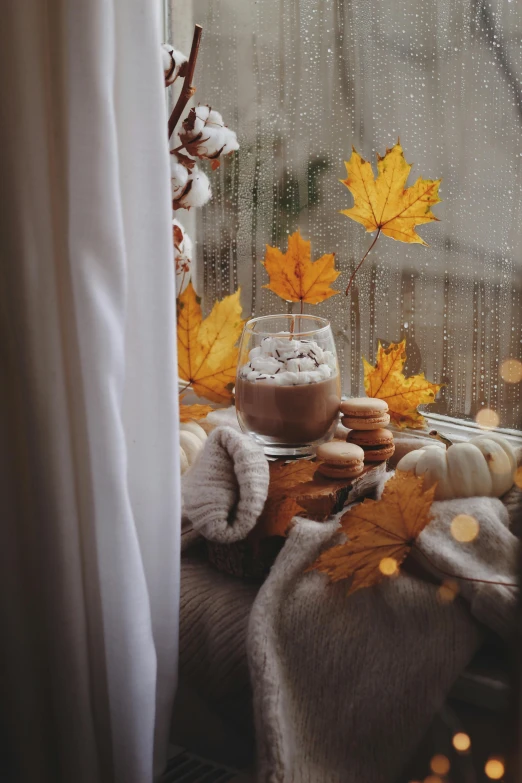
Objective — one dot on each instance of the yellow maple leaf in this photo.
(384, 204)
(403, 395)
(194, 412)
(207, 352)
(293, 275)
(380, 533)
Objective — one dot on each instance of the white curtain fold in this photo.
(89, 474)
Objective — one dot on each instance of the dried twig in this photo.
(188, 89)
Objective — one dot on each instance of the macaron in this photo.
(377, 445)
(341, 460)
(364, 413)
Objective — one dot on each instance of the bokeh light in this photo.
(518, 478)
(461, 741)
(464, 528)
(433, 779)
(487, 419)
(388, 566)
(511, 371)
(494, 768)
(440, 764)
(447, 592)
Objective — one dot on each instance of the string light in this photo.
(487, 419)
(494, 768)
(440, 764)
(388, 566)
(464, 528)
(511, 371)
(448, 591)
(461, 742)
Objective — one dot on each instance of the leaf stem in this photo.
(460, 576)
(362, 261)
(188, 90)
(182, 391)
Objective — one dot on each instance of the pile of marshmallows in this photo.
(367, 441)
(288, 362)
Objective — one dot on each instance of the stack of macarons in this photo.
(366, 418)
(340, 460)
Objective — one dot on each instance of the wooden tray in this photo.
(309, 494)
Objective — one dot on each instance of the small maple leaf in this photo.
(207, 352)
(293, 275)
(281, 506)
(297, 488)
(194, 412)
(403, 395)
(384, 204)
(380, 533)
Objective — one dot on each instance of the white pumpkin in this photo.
(483, 466)
(195, 428)
(183, 461)
(190, 445)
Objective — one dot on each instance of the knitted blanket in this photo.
(344, 688)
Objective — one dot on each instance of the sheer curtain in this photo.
(88, 408)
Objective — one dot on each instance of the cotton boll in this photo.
(172, 62)
(179, 177)
(196, 191)
(199, 193)
(205, 135)
(182, 256)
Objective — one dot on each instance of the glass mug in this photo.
(288, 387)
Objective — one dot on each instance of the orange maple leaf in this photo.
(207, 352)
(380, 533)
(403, 395)
(293, 275)
(193, 412)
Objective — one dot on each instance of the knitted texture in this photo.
(224, 493)
(345, 687)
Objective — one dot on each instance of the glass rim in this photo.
(252, 323)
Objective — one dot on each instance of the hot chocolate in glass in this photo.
(287, 386)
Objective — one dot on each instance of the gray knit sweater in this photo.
(343, 688)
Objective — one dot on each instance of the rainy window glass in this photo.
(301, 81)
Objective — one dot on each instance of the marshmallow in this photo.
(284, 361)
(306, 364)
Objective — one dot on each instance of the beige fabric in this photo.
(224, 493)
(344, 688)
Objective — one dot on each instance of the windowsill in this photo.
(457, 429)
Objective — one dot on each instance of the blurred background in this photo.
(301, 81)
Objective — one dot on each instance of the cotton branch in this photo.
(188, 90)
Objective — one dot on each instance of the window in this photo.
(303, 80)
